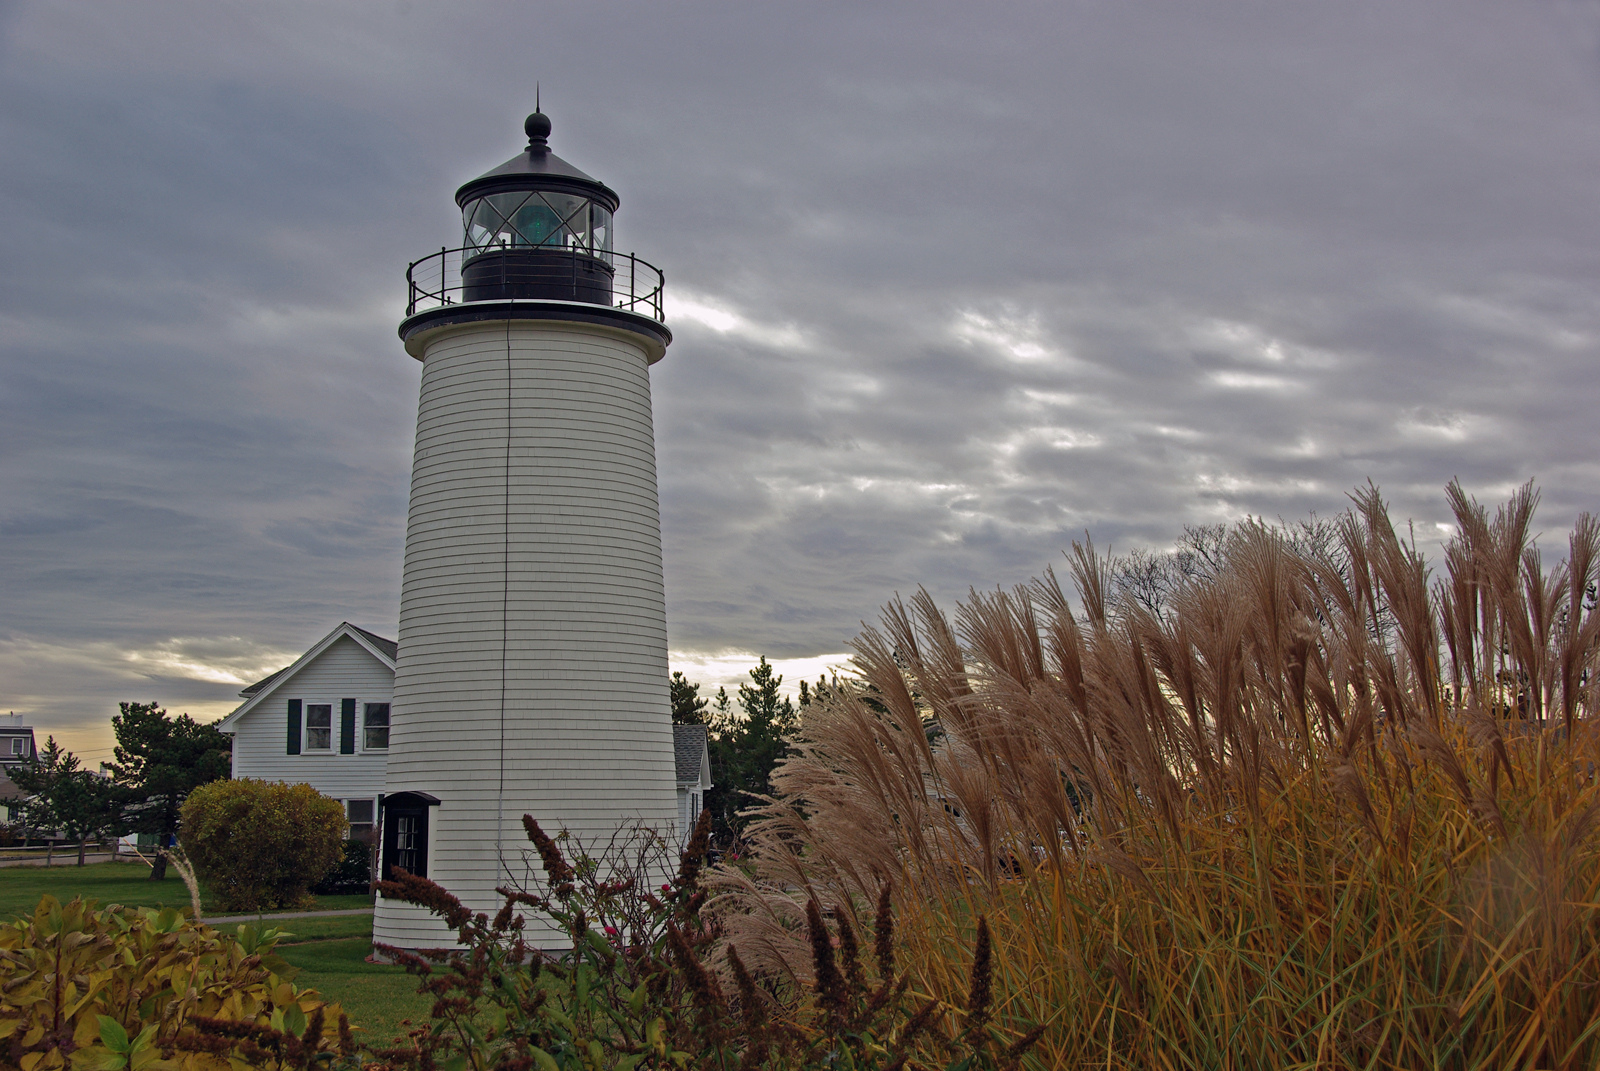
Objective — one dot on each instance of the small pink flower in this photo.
(666, 888)
(611, 931)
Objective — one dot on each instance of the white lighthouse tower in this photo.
(532, 669)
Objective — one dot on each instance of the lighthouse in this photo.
(531, 676)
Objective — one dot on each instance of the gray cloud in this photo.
(951, 286)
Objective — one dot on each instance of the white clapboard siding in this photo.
(344, 670)
(532, 673)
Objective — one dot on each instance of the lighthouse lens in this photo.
(537, 224)
(565, 217)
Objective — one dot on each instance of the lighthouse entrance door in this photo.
(405, 833)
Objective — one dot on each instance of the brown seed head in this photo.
(694, 853)
(850, 952)
(556, 870)
(883, 935)
(981, 990)
(752, 1008)
(829, 983)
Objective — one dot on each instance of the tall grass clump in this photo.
(1320, 805)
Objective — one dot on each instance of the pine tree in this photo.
(159, 761)
(688, 707)
(746, 746)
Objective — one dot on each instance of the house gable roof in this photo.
(692, 754)
(381, 649)
(251, 689)
(388, 650)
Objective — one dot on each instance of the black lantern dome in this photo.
(537, 245)
(537, 227)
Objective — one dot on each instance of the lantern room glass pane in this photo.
(485, 226)
(600, 228)
(544, 219)
(488, 219)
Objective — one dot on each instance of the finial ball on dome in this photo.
(537, 126)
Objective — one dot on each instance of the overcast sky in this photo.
(951, 285)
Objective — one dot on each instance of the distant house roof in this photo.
(689, 746)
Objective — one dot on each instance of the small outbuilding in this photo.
(691, 746)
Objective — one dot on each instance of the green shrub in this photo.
(122, 987)
(352, 874)
(261, 844)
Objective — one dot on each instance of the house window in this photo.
(319, 726)
(360, 814)
(18, 746)
(376, 720)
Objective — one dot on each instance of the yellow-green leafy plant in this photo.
(261, 844)
(1315, 807)
(103, 989)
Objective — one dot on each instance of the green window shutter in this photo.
(347, 726)
(294, 726)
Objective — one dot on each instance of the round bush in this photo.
(261, 844)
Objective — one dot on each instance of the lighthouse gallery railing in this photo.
(636, 285)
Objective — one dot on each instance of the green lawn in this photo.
(112, 883)
(377, 997)
(301, 930)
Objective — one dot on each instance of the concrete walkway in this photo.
(222, 920)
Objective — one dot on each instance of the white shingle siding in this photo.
(344, 670)
(587, 735)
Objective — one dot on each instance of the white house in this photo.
(16, 741)
(325, 721)
(17, 746)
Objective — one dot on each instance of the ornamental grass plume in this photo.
(1305, 801)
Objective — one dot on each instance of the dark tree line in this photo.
(749, 734)
(159, 760)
